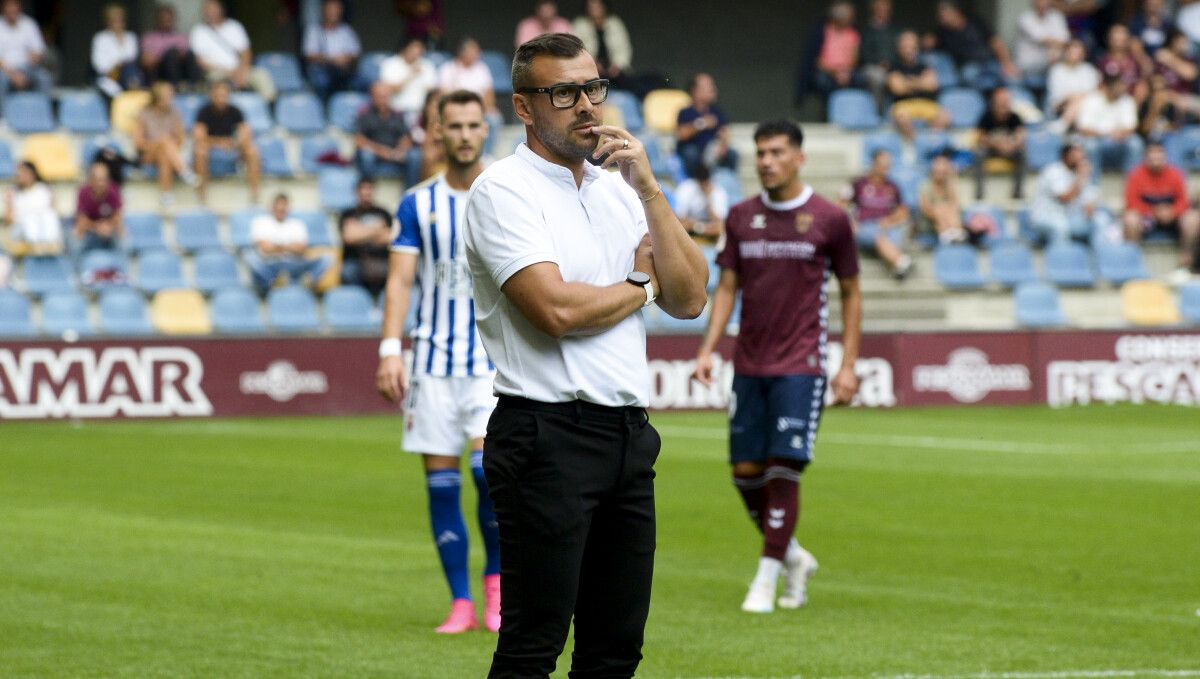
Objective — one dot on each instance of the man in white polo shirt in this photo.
(563, 256)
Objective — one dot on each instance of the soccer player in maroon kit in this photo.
(779, 249)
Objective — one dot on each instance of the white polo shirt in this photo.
(220, 47)
(523, 210)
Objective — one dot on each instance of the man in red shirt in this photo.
(1156, 199)
(778, 249)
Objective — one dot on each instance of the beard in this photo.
(560, 141)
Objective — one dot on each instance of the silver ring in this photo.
(626, 144)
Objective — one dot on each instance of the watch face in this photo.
(638, 278)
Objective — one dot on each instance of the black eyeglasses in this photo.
(567, 94)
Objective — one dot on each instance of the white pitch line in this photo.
(1060, 674)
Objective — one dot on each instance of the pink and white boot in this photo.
(462, 618)
(491, 605)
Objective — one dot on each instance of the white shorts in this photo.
(442, 413)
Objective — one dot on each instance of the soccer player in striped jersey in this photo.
(447, 391)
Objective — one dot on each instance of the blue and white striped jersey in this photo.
(445, 341)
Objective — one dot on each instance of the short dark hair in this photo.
(1155, 142)
(560, 45)
(281, 196)
(1067, 148)
(364, 180)
(775, 128)
(458, 97)
(878, 152)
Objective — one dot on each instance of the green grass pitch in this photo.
(959, 542)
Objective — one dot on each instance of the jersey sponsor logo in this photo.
(968, 376)
(282, 382)
(158, 381)
(454, 277)
(773, 249)
(1148, 369)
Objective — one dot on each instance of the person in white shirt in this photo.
(410, 77)
(605, 36)
(1107, 123)
(1069, 83)
(467, 71)
(21, 51)
(701, 204)
(280, 247)
(1065, 198)
(35, 229)
(222, 49)
(115, 54)
(563, 256)
(1042, 35)
(331, 50)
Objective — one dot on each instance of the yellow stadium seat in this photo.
(661, 109)
(613, 116)
(1149, 303)
(53, 155)
(125, 109)
(180, 312)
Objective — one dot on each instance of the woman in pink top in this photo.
(166, 54)
(545, 19)
(839, 49)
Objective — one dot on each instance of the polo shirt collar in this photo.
(792, 204)
(556, 171)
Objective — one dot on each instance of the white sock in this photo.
(768, 570)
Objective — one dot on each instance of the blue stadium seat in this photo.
(273, 155)
(957, 268)
(284, 70)
(292, 309)
(300, 113)
(1121, 262)
(728, 180)
(992, 214)
(1036, 305)
(928, 144)
(1183, 148)
(84, 113)
(1042, 147)
(15, 314)
(943, 65)
(500, 65)
(909, 179)
(368, 69)
(189, 104)
(335, 187)
(965, 106)
(236, 311)
(254, 110)
(1189, 302)
(123, 312)
(215, 270)
(8, 165)
(44, 275)
(92, 146)
(1068, 265)
(144, 231)
(1012, 264)
(884, 139)
(348, 308)
(853, 109)
(196, 230)
(239, 227)
(103, 268)
(659, 161)
(160, 270)
(317, 224)
(312, 148)
(29, 113)
(344, 108)
(437, 58)
(1025, 229)
(64, 312)
(630, 107)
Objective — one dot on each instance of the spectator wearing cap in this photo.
(913, 86)
(1107, 123)
(545, 19)
(115, 54)
(1041, 36)
(1066, 198)
(1000, 134)
(838, 56)
(381, 137)
(1156, 200)
(409, 77)
(1070, 82)
(166, 54)
(21, 52)
(881, 219)
(701, 131)
(331, 50)
(980, 54)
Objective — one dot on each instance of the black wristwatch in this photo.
(642, 280)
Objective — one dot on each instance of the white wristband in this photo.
(390, 346)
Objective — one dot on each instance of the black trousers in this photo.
(573, 487)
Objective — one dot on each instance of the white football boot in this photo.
(761, 597)
(799, 566)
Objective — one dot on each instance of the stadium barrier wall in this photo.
(335, 376)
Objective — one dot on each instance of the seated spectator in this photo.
(1065, 200)
(1151, 26)
(331, 50)
(222, 49)
(35, 229)
(1069, 83)
(604, 37)
(877, 50)
(545, 19)
(166, 54)
(381, 138)
(366, 232)
(466, 71)
(1156, 200)
(1187, 19)
(980, 54)
(941, 211)
(158, 138)
(1121, 60)
(1042, 35)
(115, 54)
(423, 21)
(220, 126)
(281, 247)
(702, 205)
(98, 220)
(1001, 135)
(881, 219)
(913, 85)
(21, 52)
(409, 77)
(702, 132)
(1107, 122)
(838, 57)
(1179, 72)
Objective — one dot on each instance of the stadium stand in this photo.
(348, 308)
(83, 113)
(661, 108)
(964, 105)
(215, 270)
(124, 109)
(853, 110)
(7, 163)
(197, 229)
(344, 108)
(29, 113)
(48, 275)
(1069, 265)
(123, 312)
(255, 110)
(630, 108)
(335, 187)
(239, 227)
(100, 268)
(1119, 263)
(284, 70)
(160, 270)
(300, 113)
(957, 267)
(16, 314)
(1149, 303)
(144, 232)
(1011, 264)
(312, 149)
(273, 154)
(54, 155)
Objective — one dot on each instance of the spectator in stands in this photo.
(914, 87)
(1001, 135)
(1107, 121)
(881, 219)
(34, 227)
(21, 52)
(381, 137)
(838, 57)
(1151, 26)
(331, 50)
(98, 220)
(877, 51)
(702, 204)
(1179, 71)
(115, 54)
(366, 232)
(281, 247)
(1066, 198)
(545, 19)
(423, 21)
(158, 137)
(1070, 82)
(941, 211)
(220, 126)
(980, 54)
(1121, 59)
(409, 77)
(702, 134)
(467, 71)
(1187, 19)
(1042, 35)
(1156, 200)
(166, 54)
(222, 49)
(604, 36)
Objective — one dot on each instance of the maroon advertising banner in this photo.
(946, 369)
(1111, 367)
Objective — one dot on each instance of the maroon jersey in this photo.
(874, 201)
(781, 254)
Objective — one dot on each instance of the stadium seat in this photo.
(283, 69)
(344, 108)
(189, 104)
(239, 227)
(728, 180)
(1148, 303)
(103, 268)
(196, 230)
(659, 161)
(236, 311)
(124, 109)
(500, 65)
(368, 69)
(83, 113)
(1183, 148)
(991, 214)
(160, 270)
(54, 156)
(273, 154)
(886, 140)
(1189, 302)
(660, 109)
(92, 146)
(123, 312)
(437, 58)
(928, 144)
(853, 109)
(1068, 265)
(335, 187)
(215, 270)
(45, 275)
(957, 268)
(64, 312)
(964, 106)
(317, 224)
(909, 179)
(29, 113)
(300, 113)
(1011, 264)
(312, 148)
(1036, 305)
(7, 164)
(1042, 147)
(943, 65)
(1120, 263)
(659, 322)
(16, 317)
(348, 308)
(292, 309)
(254, 110)
(144, 231)
(630, 108)
(180, 312)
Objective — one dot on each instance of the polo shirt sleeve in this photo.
(504, 231)
(408, 228)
